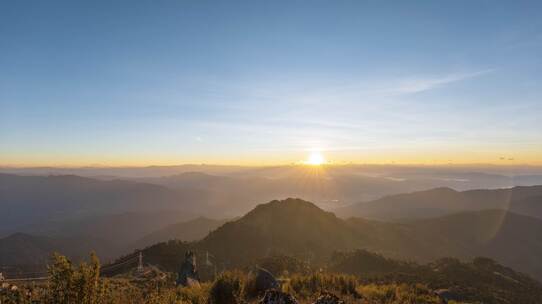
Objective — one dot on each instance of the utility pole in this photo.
(208, 261)
(140, 264)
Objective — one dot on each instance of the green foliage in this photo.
(365, 263)
(480, 281)
(195, 294)
(283, 265)
(70, 284)
(309, 285)
(398, 294)
(8, 296)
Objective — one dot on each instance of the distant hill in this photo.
(513, 240)
(125, 172)
(191, 230)
(291, 226)
(23, 251)
(234, 195)
(26, 200)
(217, 191)
(299, 228)
(121, 229)
(442, 201)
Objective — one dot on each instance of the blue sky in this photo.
(263, 82)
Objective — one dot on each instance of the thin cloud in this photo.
(417, 85)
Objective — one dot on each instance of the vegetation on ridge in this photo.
(386, 281)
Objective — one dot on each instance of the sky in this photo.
(86, 83)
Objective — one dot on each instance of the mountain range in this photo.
(443, 201)
(299, 228)
(118, 215)
(217, 191)
(27, 252)
(27, 200)
(23, 251)
(191, 230)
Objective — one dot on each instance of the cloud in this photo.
(326, 91)
(417, 85)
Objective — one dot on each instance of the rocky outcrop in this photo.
(447, 295)
(188, 273)
(265, 280)
(328, 298)
(274, 296)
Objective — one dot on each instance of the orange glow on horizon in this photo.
(315, 158)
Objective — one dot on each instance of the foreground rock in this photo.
(274, 296)
(265, 281)
(188, 273)
(328, 298)
(447, 295)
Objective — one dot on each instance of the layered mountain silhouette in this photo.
(28, 200)
(299, 228)
(235, 193)
(191, 230)
(32, 200)
(503, 224)
(443, 201)
(122, 229)
(26, 252)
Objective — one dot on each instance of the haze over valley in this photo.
(400, 211)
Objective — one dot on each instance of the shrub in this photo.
(194, 294)
(306, 286)
(69, 284)
(280, 265)
(398, 294)
(227, 288)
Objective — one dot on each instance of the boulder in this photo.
(273, 296)
(328, 298)
(188, 273)
(265, 280)
(447, 295)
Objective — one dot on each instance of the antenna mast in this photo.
(140, 264)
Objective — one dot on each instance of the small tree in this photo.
(68, 284)
(61, 280)
(87, 281)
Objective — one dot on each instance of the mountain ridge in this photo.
(300, 228)
(443, 200)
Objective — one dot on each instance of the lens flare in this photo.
(315, 159)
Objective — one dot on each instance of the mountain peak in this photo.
(442, 189)
(290, 202)
(18, 236)
(289, 226)
(289, 207)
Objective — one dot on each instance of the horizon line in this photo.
(300, 164)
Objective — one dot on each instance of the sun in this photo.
(315, 159)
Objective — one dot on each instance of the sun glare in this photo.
(315, 159)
